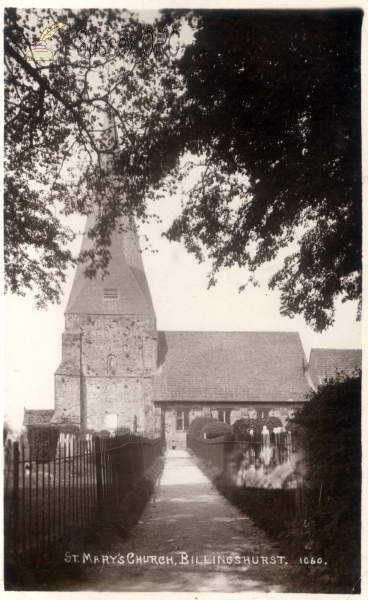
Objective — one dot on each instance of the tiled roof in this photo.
(37, 417)
(230, 367)
(328, 361)
(126, 279)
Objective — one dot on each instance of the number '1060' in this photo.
(310, 561)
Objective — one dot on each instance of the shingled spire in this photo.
(125, 290)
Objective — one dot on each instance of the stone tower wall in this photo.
(129, 340)
(117, 354)
(67, 399)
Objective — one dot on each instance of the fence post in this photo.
(16, 498)
(98, 472)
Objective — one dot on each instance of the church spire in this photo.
(125, 290)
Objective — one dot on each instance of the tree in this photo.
(60, 150)
(272, 104)
(328, 429)
(267, 102)
(329, 433)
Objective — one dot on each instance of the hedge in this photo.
(69, 428)
(197, 424)
(43, 441)
(214, 429)
(241, 425)
(329, 431)
(122, 431)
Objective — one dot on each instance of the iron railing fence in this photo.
(46, 500)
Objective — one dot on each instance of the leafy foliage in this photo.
(69, 428)
(214, 429)
(240, 426)
(43, 441)
(267, 172)
(329, 431)
(61, 156)
(197, 424)
(122, 431)
(104, 433)
(275, 121)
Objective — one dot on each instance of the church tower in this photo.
(109, 347)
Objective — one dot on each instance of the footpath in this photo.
(191, 539)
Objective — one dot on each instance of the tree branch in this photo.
(42, 81)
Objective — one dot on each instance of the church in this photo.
(118, 371)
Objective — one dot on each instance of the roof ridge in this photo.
(225, 331)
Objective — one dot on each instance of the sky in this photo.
(182, 301)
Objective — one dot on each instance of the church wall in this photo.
(67, 399)
(238, 411)
(152, 415)
(130, 340)
(312, 371)
(71, 347)
(114, 395)
(150, 349)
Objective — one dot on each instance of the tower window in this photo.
(221, 416)
(228, 417)
(110, 293)
(111, 365)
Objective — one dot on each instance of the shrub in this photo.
(43, 441)
(104, 433)
(69, 428)
(329, 431)
(196, 425)
(294, 430)
(214, 429)
(122, 431)
(270, 422)
(241, 425)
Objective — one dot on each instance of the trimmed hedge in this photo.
(43, 441)
(197, 424)
(69, 428)
(214, 429)
(122, 431)
(104, 433)
(241, 425)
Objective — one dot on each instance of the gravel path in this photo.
(204, 544)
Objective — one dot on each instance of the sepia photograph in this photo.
(183, 236)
